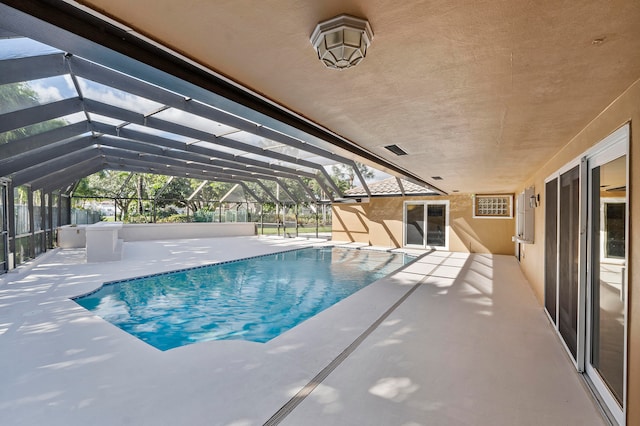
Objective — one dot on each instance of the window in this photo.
(493, 206)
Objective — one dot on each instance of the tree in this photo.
(16, 96)
(344, 175)
(180, 190)
(127, 187)
(111, 184)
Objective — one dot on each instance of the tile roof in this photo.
(390, 187)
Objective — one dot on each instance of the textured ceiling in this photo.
(479, 92)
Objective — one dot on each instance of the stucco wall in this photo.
(624, 109)
(379, 223)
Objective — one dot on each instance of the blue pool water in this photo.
(254, 299)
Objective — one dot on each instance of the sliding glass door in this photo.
(585, 271)
(426, 224)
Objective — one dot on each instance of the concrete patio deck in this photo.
(452, 339)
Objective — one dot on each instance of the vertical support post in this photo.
(50, 232)
(69, 210)
(32, 227)
(324, 214)
(317, 212)
(43, 225)
(278, 216)
(284, 221)
(60, 209)
(297, 205)
(261, 218)
(11, 224)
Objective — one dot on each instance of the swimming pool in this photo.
(253, 299)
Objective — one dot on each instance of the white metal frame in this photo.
(426, 203)
(612, 147)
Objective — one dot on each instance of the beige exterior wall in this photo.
(624, 109)
(379, 223)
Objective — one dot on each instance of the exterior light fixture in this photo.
(342, 42)
(534, 201)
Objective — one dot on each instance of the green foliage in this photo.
(268, 208)
(176, 218)
(138, 218)
(203, 216)
(18, 96)
(135, 194)
(345, 176)
(21, 195)
(165, 212)
(173, 193)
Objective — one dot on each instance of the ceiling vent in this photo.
(396, 149)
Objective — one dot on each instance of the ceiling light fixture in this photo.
(342, 42)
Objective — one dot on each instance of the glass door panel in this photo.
(414, 234)
(436, 225)
(551, 248)
(608, 275)
(568, 248)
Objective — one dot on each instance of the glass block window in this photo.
(493, 206)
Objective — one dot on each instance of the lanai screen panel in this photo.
(122, 112)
